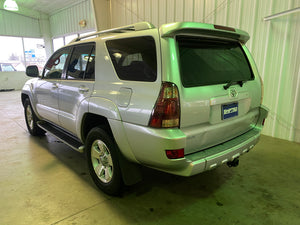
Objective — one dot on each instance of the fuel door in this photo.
(124, 96)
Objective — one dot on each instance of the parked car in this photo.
(7, 67)
(183, 98)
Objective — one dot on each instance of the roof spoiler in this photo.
(172, 29)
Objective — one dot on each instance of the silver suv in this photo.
(183, 98)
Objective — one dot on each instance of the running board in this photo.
(63, 136)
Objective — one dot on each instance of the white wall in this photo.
(274, 45)
(12, 80)
(66, 21)
(13, 24)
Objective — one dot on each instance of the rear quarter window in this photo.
(207, 61)
(134, 58)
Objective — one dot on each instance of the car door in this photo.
(77, 85)
(46, 89)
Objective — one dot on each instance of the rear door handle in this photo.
(55, 85)
(83, 89)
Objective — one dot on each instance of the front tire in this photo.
(31, 120)
(103, 163)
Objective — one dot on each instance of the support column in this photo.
(102, 13)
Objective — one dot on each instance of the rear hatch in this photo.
(219, 87)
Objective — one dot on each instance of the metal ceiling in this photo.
(47, 6)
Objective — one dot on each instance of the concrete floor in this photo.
(42, 181)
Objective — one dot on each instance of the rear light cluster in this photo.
(166, 112)
(175, 154)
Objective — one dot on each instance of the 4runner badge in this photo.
(233, 93)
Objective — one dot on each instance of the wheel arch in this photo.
(91, 120)
(103, 112)
(131, 173)
(24, 97)
(95, 111)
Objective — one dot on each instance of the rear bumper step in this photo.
(63, 136)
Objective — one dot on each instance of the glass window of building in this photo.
(11, 53)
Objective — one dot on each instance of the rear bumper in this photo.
(226, 152)
(149, 145)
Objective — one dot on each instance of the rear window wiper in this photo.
(230, 83)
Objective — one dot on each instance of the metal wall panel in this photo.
(274, 45)
(66, 21)
(13, 24)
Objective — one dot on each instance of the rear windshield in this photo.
(134, 58)
(207, 62)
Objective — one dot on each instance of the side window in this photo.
(134, 58)
(55, 65)
(81, 63)
(90, 69)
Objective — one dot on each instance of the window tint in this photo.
(79, 66)
(55, 65)
(90, 69)
(134, 58)
(208, 62)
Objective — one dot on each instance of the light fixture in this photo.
(10, 5)
(82, 23)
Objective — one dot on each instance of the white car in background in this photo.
(7, 67)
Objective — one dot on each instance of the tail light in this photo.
(224, 28)
(166, 112)
(175, 154)
(263, 122)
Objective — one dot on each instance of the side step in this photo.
(63, 136)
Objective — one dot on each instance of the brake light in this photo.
(219, 27)
(175, 154)
(166, 112)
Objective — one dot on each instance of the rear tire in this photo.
(31, 120)
(103, 162)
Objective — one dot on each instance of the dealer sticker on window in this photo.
(229, 110)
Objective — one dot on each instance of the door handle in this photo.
(55, 85)
(83, 89)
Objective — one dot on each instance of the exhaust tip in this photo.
(233, 163)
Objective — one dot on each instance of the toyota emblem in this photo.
(233, 93)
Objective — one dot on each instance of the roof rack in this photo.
(133, 27)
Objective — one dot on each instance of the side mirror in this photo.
(32, 71)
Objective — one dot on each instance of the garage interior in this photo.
(43, 181)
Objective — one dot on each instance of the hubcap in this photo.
(102, 161)
(29, 117)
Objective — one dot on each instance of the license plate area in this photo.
(230, 110)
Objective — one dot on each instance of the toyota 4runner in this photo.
(183, 98)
